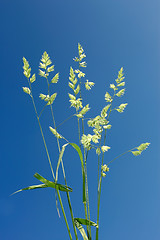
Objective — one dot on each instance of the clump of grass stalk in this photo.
(96, 141)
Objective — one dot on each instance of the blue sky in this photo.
(113, 34)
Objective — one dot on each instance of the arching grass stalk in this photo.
(59, 196)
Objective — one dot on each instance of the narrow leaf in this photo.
(60, 159)
(86, 222)
(81, 229)
(31, 188)
(53, 184)
(75, 146)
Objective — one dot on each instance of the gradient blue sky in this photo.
(114, 33)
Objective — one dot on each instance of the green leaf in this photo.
(85, 222)
(55, 78)
(81, 229)
(60, 159)
(33, 78)
(53, 184)
(31, 188)
(75, 146)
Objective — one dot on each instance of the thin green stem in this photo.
(64, 214)
(99, 159)
(85, 162)
(68, 196)
(85, 204)
(87, 193)
(66, 120)
(79, 134)
(42, 111)
(41, 131)
(59, 197)
(99, 193)
(100, 179)
(120, 155)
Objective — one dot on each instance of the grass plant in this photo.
(96, 141)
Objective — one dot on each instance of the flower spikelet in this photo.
(88, 85)
(105, 148)
(86, 141)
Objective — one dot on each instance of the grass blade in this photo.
(85, 222)
(53, 184)
(81, 229)
(60, 159)
(31, 188)
(75, 146)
